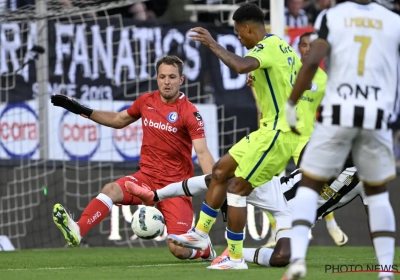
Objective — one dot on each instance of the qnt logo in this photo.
(19, 130)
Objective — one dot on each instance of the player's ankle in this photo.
(236, 260)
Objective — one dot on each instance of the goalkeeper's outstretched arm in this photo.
(110, 119)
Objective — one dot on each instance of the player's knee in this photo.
(280, 259)
(113, 191)
(224, 168)
(218, 173)
(240, 187)
(179, 252)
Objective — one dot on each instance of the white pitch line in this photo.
(85, 267)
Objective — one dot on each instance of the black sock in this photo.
(224, 210)
(155, 199)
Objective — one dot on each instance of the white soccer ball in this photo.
(148, 222)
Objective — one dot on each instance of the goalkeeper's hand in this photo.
(71, 105)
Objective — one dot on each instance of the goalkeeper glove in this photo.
(71, 105)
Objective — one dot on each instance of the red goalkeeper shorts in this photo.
(177, 211)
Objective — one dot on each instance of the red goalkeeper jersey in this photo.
(168, 132)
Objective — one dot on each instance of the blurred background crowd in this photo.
(298, 13)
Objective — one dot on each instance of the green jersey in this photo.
(309, 103)
(274, 80)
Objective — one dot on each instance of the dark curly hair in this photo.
(249, 12)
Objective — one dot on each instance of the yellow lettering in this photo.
(327, 193)
(365, 42)
(363, 23)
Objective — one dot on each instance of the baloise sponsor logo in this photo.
(19, 130)
(160, 125)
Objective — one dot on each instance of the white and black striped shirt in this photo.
(362, 75)
(300, 21)
(334, 195)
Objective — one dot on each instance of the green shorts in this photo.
(262, 154)
(303, 140)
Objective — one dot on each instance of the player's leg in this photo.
(190, 187)
(323, 159)
(178, 215)
(277, 257)
(280, 255)
(336, 233)
(194, 186)
(97, 209)
(271, 242)
(338, 236)
(223, 170)
(374, 159)
(270, 151)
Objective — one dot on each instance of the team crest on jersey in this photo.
(172, 117)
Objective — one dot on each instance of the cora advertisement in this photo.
(19, 130)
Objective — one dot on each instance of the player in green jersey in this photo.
(259, 156)
(309, 104)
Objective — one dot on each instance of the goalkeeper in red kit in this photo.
(171, 126)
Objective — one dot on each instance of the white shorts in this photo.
(329, 146)
(269, 197)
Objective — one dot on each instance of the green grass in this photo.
(158, 263)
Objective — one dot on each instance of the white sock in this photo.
(194, 253)
(196, 185)
(381, 219)
(105, 199)
(305, 209)
(331, 223)
(264, 255)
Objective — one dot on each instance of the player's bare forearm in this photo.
(204, 156)
(104, 118)
(318, 51)
(111, 119)
(206, 161)
(237, 63)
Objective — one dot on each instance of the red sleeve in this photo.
(135, 110)
(194, 123)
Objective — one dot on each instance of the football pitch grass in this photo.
(158, 263)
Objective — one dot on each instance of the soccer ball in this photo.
(148, 222)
